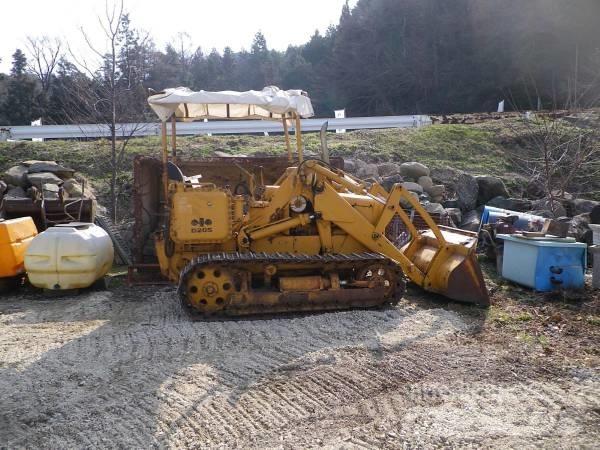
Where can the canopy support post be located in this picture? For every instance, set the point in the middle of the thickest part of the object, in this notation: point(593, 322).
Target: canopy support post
point(165, 162)
point(173, 137)
point(299, 138)
point(286, 132)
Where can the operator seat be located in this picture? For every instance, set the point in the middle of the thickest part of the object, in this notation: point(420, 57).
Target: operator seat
point(174, 172)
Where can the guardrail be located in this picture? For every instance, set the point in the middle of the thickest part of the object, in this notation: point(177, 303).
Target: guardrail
point(217, 127)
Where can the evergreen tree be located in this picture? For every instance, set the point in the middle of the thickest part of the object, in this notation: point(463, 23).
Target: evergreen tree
point(383, 57)
point(262, 65)
point(19, 106)
point(19, 63)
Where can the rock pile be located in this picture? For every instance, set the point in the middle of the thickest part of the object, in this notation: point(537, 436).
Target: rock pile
point(462, 196)
point(39, 179)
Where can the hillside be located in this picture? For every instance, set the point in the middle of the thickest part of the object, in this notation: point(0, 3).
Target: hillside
point(376, 378)
point(481, 148)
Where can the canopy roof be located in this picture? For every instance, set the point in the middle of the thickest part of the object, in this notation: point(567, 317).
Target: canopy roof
point(270, 103)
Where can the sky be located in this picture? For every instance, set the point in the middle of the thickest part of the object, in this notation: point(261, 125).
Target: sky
point(209, 23)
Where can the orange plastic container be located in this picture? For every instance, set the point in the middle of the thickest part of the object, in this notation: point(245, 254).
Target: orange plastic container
point(15, 236)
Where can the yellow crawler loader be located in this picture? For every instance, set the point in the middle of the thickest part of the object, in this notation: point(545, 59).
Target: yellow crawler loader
point(316, 239)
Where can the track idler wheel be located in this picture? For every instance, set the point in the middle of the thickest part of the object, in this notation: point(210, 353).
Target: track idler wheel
point(209, 288)
point(386, 275)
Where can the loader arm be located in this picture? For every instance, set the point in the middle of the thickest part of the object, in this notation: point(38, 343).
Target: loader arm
point(439, 259)
point(333, 208)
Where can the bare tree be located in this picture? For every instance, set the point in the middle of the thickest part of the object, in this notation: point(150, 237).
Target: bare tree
point(45, 54)
point(103, 94)
point(561, 156)
point(183, 41)
point(562, 147)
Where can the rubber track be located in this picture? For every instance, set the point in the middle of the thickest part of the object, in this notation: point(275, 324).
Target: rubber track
point(238, 258)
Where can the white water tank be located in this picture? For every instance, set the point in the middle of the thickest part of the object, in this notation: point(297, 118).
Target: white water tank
point(69, 256)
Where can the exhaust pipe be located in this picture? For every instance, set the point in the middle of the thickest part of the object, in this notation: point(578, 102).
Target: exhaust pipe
point(324, 149)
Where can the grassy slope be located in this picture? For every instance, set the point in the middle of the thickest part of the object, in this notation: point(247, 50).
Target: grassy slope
point(470, 147)
point(478, 149)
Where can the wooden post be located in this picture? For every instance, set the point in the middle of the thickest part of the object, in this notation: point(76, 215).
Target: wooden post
point(286, 132)
point(299, 138)
point(165, 162)
point(173, 137)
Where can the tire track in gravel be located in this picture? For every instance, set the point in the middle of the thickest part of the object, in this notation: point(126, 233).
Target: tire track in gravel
point(410, 421)
point(150, 377)
point(119, 348)
point(294, 401)
point(278, 399)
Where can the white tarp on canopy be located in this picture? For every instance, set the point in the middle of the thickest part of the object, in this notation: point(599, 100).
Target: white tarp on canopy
point(270, 103)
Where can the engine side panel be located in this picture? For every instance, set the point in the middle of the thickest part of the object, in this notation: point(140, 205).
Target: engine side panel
point(201, 216)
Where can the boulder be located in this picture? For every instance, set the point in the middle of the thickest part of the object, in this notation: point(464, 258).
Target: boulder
point(413, 187)
point(51, 167)
point(564, 195)
point(595, 214)
point(512, 204)
point(425, 181)
point(3, 187)
point(489, 187)
point(451, 203)
point(559, 227)
point(434, 208)
point(50, 191)
point(467, 190)
point(545, 213)
point(38, 179)
point(16, 175)
point(368, 171)
point(462, 184)
point(350, 165)
point(413, 170)
point(359, 163)
point(28, 163)
point(554, 206)
point(16, 192)
point(579, 227)
point(455, 214)
point(424, 197)
point(471, 221)
point(581, 206)
point(445, 175)
point(73, 188)
point(388, 168)
point(535, 189)
point(222, 154)
point(436, 190)
point(437, 199)
point(407, 205)
point(389, 181)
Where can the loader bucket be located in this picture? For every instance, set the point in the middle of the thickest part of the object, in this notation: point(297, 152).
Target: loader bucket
point(451, 270)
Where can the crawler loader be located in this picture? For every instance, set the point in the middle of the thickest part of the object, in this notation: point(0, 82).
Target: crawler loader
point(316, 239)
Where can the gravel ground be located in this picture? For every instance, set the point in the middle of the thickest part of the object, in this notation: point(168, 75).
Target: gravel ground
point(126, 368)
